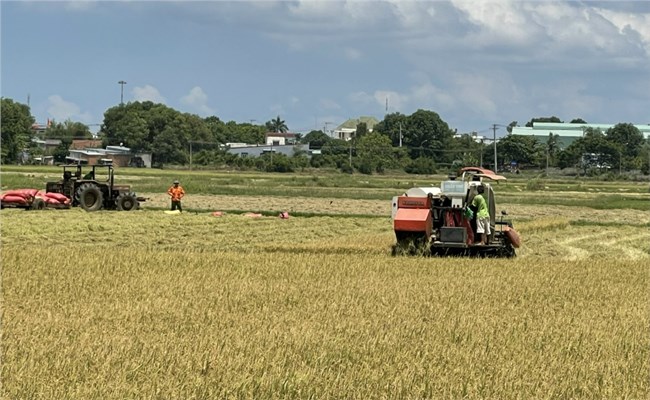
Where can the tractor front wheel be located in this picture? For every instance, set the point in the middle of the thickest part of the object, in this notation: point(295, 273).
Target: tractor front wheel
point(38, 204)
point(91, 198)
point(127, 202)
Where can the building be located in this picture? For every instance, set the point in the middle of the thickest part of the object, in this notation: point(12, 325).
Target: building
point(280, 138)
point(78, 144)
point(256, 150)
point(117, 155)
point(567, 133)
point(47, 145)
point(348, 129)
point(475, 136)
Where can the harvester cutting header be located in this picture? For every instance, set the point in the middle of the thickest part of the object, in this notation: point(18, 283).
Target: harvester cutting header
point(443, 220)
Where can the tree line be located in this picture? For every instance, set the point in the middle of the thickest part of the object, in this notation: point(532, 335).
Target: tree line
point(420, 143)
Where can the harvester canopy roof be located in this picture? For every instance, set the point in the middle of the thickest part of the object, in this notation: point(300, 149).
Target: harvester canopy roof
point(483, 173)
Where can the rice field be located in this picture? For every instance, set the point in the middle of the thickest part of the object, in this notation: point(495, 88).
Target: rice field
point(146, 305)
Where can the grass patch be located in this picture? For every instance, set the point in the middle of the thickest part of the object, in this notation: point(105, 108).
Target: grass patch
point(600, 202)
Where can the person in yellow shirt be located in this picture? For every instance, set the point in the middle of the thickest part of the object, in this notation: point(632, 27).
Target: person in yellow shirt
point(176, 192)
point(482, 215)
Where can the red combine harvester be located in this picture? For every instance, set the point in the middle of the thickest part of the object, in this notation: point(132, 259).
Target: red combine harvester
point(437, 220)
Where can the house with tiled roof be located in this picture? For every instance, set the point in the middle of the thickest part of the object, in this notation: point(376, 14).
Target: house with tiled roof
point(346, 130)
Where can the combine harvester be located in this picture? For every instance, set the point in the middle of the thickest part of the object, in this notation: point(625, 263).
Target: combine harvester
point(436, 220)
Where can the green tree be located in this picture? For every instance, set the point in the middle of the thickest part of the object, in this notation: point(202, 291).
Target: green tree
point(316, 139)
point(543, 119)
point(645, 158)
point(578, 121)
point(16, 130)
point(133, 132)
point(521, 149)
point(374, 152)
point(362, 130)
point(392, 126)
point(217, 128)
point(511, 125)
point(136, 125)
point(277, 125)
point(592, 150)
point(467, 150)
point(68, 130)
point(170, 147)
point(629, 140)
point(552, 148)
point(427, 134)
point(61, 151)
point(336, 153)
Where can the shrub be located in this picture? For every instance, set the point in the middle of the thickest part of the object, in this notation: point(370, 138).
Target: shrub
point(365, 168)
point(534, 184)
point(346, 168)
point(421, 166)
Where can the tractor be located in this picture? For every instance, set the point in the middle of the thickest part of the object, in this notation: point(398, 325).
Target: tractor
point(442, 221)
point(94, 190)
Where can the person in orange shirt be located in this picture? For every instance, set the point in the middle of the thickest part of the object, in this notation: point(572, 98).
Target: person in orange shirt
point(176, 192)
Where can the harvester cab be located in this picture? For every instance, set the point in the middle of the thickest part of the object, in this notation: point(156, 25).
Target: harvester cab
point(441, 220)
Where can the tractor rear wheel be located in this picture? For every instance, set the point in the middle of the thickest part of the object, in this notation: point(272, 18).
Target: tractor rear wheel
point(127, 202)
point(90, 197)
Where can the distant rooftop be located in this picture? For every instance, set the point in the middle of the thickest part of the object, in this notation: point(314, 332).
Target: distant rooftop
point(569, 130)
point(353, 122)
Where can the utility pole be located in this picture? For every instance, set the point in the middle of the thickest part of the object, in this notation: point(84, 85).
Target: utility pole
point(326, 130)
point(122, 83)
point(190, 155)
point(494, 130)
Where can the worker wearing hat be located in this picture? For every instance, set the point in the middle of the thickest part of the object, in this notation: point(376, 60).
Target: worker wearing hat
point(176, 192)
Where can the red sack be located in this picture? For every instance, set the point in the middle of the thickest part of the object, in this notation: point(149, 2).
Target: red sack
point(7, 198)
point(58, 196)
point(50, 200)
point(24, 193)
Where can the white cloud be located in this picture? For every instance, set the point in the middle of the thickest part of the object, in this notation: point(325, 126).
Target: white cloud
point(329, 104)
point(147, 93)
point(352, 54)
point(628, 24)
point(197, 100)
point(62, 110)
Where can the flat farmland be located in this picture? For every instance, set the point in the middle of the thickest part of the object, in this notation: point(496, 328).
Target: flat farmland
point(147, 305)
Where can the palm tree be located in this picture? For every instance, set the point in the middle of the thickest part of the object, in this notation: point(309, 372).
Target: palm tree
point(277, 125)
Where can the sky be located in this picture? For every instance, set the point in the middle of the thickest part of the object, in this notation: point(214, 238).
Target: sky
point(316, 64)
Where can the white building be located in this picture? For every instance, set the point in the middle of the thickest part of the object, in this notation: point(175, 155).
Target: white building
point(567, 132)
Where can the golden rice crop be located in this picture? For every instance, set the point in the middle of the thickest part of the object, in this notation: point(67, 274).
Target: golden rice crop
point(153, 306)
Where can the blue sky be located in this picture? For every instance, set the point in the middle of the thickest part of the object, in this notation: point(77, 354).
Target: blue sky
point(318, 63)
